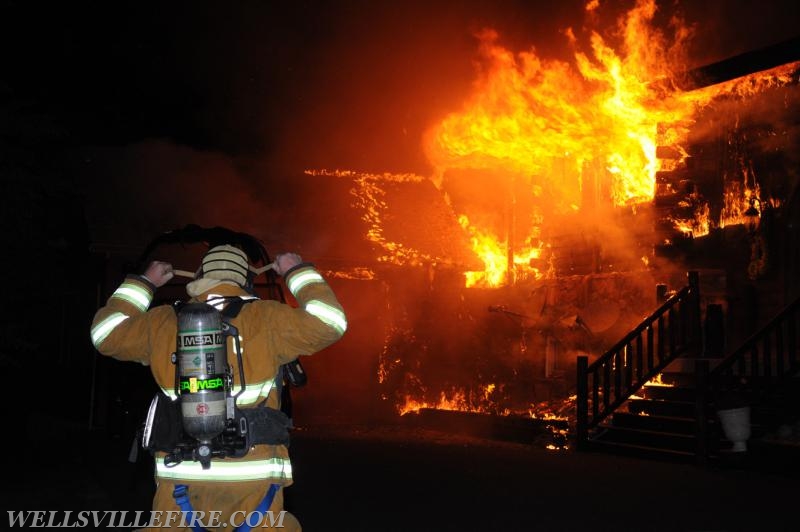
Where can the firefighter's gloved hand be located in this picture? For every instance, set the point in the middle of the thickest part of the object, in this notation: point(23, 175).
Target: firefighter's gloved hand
point(159, 273)
point(286, 261)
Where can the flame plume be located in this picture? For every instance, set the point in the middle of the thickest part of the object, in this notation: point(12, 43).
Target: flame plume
point(572, 130)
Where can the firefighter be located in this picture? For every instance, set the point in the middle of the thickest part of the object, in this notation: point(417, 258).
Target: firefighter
point(271, 333)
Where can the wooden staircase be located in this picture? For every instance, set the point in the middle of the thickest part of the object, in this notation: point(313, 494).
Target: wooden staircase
point(670, 413)
point(661, 421)
point(605, 387)
point(656, 422)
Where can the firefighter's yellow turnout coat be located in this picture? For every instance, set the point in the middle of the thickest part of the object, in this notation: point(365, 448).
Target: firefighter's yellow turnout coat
point(271, 334)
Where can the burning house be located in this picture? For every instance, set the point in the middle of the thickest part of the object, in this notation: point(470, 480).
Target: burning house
point(515, 232)
point(563, 195)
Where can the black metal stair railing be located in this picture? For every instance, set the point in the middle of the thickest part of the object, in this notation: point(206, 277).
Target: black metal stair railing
point(672, 330)
point(753, 375)
point(767, 356)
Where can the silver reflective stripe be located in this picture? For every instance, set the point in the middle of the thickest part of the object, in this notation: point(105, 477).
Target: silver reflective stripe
point(297, 282)
point(133, 294)
point(232, 344)
point(330, 315)
point(170, 393)
point(267, 388)
point(218, 301)
point(148, 424)
point(222, 471)
point(101, 331)
point(253, 392)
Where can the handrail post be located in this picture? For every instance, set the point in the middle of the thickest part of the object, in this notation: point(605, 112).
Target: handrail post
point(701, 414)
point(714, 332)
point(582, 404)
point(661, 293)
point(695, 314)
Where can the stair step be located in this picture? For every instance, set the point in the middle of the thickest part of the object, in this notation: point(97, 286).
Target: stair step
point(688, 393)
point(680, 425)
point(648, 438)
point(641, 451)
point(688, 379)
point(681, 370)
point(655, 407)
point(678, 378)
point(669, 393)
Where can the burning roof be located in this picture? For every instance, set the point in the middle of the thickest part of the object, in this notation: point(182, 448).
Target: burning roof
point(403, 220)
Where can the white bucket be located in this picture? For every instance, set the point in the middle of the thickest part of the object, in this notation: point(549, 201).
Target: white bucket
point(736, 426)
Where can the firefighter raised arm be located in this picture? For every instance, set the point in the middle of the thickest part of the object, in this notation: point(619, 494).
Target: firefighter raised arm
point(269, 333)
point(285, 262)
point(159, 273)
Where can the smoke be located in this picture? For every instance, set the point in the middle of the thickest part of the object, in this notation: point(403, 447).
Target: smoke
point(726, 29)
point(136, 192)
point(386, 71)
point(308, 85)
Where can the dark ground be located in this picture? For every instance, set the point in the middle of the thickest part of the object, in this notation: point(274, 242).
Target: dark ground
point(352, 478)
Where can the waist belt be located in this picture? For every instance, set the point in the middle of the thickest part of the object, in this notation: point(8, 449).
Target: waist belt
point(266, 425)
point(163, 428)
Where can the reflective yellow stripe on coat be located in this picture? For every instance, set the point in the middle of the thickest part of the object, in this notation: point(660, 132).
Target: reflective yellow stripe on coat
point(227, 471)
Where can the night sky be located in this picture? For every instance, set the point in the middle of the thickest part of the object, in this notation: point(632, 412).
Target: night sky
point(152, 107)
point(343, 81)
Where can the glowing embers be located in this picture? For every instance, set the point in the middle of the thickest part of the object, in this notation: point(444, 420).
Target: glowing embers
point(456, 400)
point(405, 221)
point(355, 274)
point(658, 380)
point(549, 434)
point(485, 401)
point(655, 382)
point(369, 193)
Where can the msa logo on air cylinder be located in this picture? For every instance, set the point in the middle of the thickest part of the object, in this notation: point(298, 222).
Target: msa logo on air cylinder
point(193, 340)
point(201, 370)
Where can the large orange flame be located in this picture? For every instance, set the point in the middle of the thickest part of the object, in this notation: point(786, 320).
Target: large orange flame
point(527, 112)
point(610, 120)
point(601, 123)
point(611, 108)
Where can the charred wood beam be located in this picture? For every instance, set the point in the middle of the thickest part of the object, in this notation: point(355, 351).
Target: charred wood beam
point(741, 65)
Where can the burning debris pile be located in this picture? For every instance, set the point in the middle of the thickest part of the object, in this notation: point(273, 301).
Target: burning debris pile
point(506, 352)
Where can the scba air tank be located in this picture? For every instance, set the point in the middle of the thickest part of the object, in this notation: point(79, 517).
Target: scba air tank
point(201, 366)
